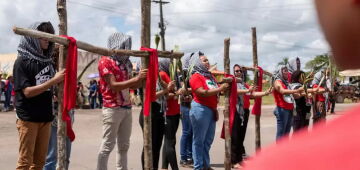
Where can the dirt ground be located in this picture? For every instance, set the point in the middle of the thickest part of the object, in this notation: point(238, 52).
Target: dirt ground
point(88, 131)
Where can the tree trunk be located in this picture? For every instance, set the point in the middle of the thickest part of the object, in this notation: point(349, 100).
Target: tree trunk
point(61, 132)
point(255, 62)
point(227, 160)
point(145, 42)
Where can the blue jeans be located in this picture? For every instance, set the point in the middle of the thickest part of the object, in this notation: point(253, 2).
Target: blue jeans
point(7, 100)
point(187, 133)
point(51, 158)
point(284, 121)
point(203, 124)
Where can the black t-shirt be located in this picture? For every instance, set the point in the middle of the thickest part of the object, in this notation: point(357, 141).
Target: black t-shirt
point(31, 73)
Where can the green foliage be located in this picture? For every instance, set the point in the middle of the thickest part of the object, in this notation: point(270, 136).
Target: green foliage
point(157, 40)
point(284, 61)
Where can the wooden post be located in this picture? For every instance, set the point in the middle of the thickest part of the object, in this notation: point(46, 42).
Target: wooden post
point(145, 42)
point(61, 131)
point(227, 161)
point(255, 62)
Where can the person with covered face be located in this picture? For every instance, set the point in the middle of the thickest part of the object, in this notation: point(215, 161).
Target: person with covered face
point(203, 113)
point(319, 82)
point(293, 65)
point(186, 159)
point(115, 81)
point(34, 78)
point(172, 118)
point(241, 118)
point(335, 145)
point(159, 119)
point(284, 99)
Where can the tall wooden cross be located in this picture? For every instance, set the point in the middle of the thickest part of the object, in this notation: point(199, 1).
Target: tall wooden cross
point(145, 42)
point(227, 160)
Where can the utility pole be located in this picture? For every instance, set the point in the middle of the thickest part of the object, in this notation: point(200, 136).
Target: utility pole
point(161, 23)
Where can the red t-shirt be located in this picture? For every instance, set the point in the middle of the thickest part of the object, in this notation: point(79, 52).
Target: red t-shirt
point(319, 97)
point(111, 98)
point(279, 99)
point(330, 146)
point(246, 98)
point(196, 81)
point(173, 107)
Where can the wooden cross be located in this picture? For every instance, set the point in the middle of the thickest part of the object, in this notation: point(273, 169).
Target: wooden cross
point(145, 42)
point(255, 62)
point(227, 161)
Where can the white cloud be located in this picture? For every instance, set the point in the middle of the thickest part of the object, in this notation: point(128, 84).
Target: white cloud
point(285, 28)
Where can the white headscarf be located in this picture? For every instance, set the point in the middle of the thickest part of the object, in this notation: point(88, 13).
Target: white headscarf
point(292, 65)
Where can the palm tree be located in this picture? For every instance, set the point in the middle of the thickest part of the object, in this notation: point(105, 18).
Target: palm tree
point(319, 62)
point(284, 61)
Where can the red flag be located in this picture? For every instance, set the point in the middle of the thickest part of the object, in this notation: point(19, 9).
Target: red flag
point(232, 105)
point(151, 79)
point(257, 105)
point(70, 80)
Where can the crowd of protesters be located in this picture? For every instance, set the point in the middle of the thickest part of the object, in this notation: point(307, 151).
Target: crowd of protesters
point(193, 97)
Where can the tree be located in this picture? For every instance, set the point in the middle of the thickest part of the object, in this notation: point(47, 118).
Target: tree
point(284, 61)
point(319, 62)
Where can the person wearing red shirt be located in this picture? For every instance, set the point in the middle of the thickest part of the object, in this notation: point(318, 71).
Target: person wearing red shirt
point(284, 100)
point(319, 103)
point(172, 118)
point(115, 82)
point(203, 113)
point(245, 92)
point(336, 145)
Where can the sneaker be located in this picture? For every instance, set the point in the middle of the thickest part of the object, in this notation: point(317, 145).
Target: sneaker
point(184, 163)
point(190, 162)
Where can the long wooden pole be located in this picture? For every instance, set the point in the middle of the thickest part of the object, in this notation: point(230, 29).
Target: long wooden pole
point(227, 160)
point(145, 42)
point(91, 48)
point(61, 131)
point(255, 62)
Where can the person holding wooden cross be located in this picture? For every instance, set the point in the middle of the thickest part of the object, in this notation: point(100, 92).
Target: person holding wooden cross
point(34, 77)
point(159, 110)
point(284, 99)
point(186, 159)
point(203, 113)
point(336, 145)
point(115, 82)
point(239, 125)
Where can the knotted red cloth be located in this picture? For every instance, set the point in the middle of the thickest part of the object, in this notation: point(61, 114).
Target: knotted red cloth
point(151, 79)
point(232, 105)
point(69, 98)
point(256, 110)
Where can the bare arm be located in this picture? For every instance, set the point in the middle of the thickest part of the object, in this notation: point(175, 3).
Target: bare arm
point(118, 86)
point(278, 87)
point(38, 89)
point(212, 92)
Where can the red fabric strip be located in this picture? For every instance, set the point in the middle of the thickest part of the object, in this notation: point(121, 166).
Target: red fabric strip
point(232, 105)
point(70, 80)
point(257, 105)
point(151, 79)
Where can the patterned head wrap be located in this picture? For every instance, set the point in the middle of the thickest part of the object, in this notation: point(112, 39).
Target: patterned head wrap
point(317, 78)
point(292, 65)
point(199, 67)
point(278, 75)
point(164, 65)
point(30, 47)
point(121, 41)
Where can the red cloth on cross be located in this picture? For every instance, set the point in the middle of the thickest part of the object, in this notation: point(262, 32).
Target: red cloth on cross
point(151, 79)
point(69, 98)
point(232, 105)
point(257, 105)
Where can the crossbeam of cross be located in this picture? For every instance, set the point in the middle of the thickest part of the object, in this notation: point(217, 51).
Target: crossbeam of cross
point(91, 48)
